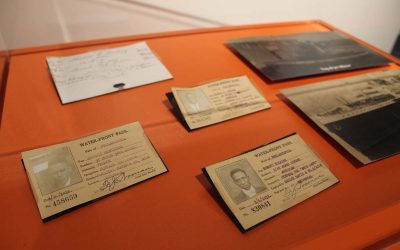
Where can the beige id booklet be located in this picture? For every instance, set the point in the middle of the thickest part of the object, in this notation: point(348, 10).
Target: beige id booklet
point(216, 101)
point(268, 180)
point(66, 175)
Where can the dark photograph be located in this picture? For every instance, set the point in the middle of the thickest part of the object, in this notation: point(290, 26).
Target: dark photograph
point(363, 111)
point(306, 54)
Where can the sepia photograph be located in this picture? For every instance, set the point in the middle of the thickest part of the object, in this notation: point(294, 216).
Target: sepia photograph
point(194, 100)
point(305, 54)
point(240, 181)
point(362, 111)
point(55, 170)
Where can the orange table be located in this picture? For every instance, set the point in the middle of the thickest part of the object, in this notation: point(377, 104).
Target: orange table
point(179, 210)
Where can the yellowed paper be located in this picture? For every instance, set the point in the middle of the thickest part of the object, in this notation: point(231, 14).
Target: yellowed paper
point(264, 182)
point(65, 175)
point(219, 101)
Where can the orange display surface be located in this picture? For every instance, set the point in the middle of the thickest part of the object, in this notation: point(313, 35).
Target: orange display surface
point(179, 210)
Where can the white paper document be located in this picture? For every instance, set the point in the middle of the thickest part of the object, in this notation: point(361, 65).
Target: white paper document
point(104, 71)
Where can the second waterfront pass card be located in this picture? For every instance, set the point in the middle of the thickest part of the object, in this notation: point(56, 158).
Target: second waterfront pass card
point(268, 180)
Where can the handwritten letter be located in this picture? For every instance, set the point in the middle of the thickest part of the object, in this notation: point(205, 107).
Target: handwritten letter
point(104, 71)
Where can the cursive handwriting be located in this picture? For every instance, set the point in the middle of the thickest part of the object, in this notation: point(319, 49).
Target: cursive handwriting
point(110, 182)
point(292, 191)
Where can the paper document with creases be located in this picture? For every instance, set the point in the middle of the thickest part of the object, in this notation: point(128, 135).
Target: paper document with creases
point(104, 71)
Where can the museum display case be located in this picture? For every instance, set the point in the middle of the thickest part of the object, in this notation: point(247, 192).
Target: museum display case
point(180, 209)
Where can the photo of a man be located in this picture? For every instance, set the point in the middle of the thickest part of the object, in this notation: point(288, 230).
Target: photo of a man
point(61, 173)
point(194, 100)
point(240, 181)
point(55, 170)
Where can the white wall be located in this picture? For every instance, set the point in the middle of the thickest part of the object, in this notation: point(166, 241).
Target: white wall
point(375, 21)
point(27, 23)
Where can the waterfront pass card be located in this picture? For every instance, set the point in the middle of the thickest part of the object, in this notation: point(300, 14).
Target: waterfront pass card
point(217, 101)
point(66, 175)
point(268, 180)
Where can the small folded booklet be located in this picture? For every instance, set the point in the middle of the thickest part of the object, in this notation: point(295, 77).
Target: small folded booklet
point(66, 175)
point(265, 181)
point(216, 101)
point(104, 71)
